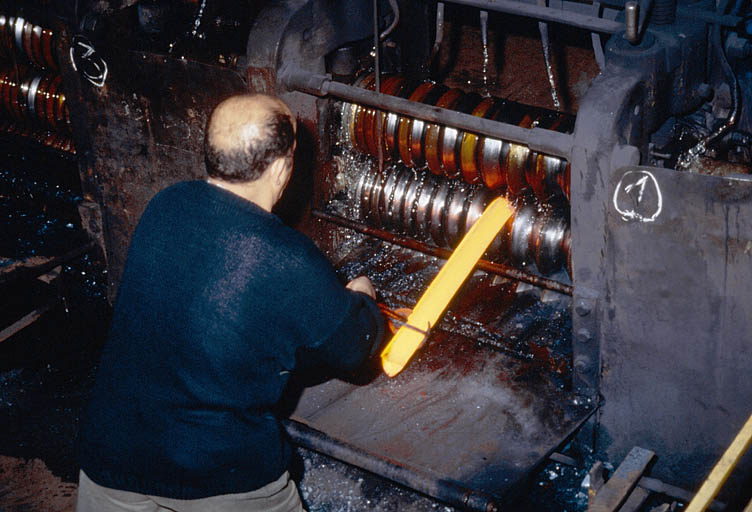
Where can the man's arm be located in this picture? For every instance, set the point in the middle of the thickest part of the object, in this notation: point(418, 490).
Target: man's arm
point(358, 336)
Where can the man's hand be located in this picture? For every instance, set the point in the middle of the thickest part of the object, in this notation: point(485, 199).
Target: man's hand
point(362, 284)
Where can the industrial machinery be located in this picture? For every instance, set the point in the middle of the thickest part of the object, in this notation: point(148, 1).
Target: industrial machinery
point(614, 305)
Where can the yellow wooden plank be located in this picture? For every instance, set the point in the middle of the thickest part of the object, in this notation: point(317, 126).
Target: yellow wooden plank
point(444, 286)
point(722, 469)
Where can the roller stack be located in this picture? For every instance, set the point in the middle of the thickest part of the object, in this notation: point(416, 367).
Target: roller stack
point(32, 103)
point(439, 211)
point(455, 154)
point(439, 179)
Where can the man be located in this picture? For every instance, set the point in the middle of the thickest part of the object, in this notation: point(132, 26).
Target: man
point(218, 303)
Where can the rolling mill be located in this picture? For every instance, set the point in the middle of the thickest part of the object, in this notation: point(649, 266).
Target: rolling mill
point(610, 307)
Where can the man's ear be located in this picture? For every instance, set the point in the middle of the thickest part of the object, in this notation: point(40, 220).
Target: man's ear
point(280, 171)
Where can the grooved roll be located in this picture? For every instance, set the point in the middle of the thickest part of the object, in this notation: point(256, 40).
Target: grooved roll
point(34, 97)
point(33, 41)
point(453, 153)
point(435, 209)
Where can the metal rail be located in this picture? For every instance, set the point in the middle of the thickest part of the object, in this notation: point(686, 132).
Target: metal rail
point(36, 265)
point(537, 139)
point(443, 489)
point(485, 265)
point(542, 13)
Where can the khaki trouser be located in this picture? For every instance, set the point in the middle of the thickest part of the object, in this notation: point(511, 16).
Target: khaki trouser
point(278, 496)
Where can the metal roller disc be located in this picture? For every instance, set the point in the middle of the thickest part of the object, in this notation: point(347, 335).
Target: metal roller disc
point(566, 250)
point(409, 205)
point(348, 121)
point(36, 46)
point(373, 116)
point(396, 205)
point(4, 47)
point(548, 255)
point(419, 127)
point(522, 228)
point(392, 122)
point(544, 179)
point(404, 130)
point(393, 85)
point(23, 95)
point(363, 194)
point(469, 145)
point(385, 198)
point(456, 213)
point(434, 132)
point(489, 156)
point(451, 138)
point(438, 212)
point(423, 203)
point(5, 93)
point(32, 95)
point(48, 49)
point(535, 175)
point(515, 166)
point(563, 177)
point(369, 131)
point(479, 199)
point(58, 102)
point(28, 31)
point(18, 26)
point(359, 140)
point(360, 192)
point(374, 197)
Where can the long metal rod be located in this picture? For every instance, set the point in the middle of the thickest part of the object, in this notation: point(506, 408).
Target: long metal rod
point(485, 265)
point(36, 265)
point(538, 139)
point(377, 76)
point(443, 489)
point(571, 18)
point(24, 322)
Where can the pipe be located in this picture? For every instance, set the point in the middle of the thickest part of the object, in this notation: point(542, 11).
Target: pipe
point(631, 19)
point(571, 18)
point(443, 489)
point(537, 139)
point(396, 11)
point(438, 252)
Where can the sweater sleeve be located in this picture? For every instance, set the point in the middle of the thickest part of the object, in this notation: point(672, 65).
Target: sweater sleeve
point(342, 328)
point(358, 336)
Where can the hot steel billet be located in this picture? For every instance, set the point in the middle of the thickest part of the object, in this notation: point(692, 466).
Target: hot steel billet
point(545, 141)
point(438, 252)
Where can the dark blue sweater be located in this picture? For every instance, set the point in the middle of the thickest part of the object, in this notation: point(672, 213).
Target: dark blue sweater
point(217, 303)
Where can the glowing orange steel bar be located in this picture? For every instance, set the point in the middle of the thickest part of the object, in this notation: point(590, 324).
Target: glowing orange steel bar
point(444, 286)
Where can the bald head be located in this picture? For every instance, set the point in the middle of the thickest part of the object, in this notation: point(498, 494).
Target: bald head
point(245, 134)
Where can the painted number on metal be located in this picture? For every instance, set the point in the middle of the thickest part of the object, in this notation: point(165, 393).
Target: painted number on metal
point(638, 197)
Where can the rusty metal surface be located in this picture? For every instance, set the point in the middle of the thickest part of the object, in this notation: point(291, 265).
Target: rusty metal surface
point(482, 404)
point(140, 132)
point(678, 319)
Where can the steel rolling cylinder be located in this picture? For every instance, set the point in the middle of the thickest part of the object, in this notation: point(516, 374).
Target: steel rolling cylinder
point(452, 153)
point(33, 41)
point(440, 211)
point(31, 96)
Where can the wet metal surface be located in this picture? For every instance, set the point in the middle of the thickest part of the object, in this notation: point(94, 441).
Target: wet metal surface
point(678, 325)
point(483, 402)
